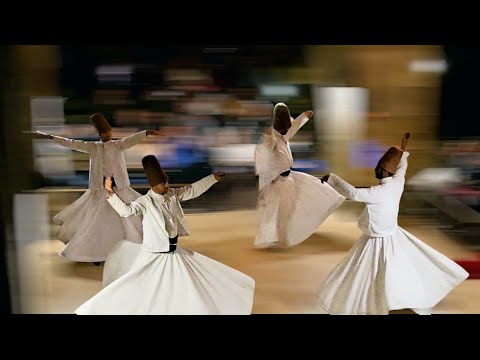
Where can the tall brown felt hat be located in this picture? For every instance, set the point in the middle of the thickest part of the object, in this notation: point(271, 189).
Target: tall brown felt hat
point(154, 171)
point(390, 160)
point(100, 123)
point(281, 116)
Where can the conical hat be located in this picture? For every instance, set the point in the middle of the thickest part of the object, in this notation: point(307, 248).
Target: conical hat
point(100, 123)
point(154, 171)
point(390, 160)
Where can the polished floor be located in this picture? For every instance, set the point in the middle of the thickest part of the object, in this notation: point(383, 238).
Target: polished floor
point(286, 279)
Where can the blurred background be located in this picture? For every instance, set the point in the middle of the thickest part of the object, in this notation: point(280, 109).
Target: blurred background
point(212, 103)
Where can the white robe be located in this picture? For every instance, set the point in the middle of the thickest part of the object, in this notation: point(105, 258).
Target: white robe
point(290, 208)
point(140, 280)
point(388, 268)
point(152, 207)
point(90, 228)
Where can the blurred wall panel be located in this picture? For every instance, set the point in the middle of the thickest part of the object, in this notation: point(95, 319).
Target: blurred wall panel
point(29, 70)
point(403, 84)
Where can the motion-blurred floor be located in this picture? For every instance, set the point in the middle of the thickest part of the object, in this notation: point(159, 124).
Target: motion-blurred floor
point(286, 279)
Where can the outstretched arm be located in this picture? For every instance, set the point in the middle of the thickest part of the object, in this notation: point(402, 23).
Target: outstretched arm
point(134, 139)
point(371, 195)
point(298, 123)
point(199, 187)
point(403, 164)
point(79, 145)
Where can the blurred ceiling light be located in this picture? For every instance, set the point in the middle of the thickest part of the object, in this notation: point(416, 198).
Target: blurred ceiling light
point(279, 90)
point(433, 65)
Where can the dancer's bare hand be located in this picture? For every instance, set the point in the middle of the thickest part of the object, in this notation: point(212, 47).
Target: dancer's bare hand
point(154, 132)
point(219, 175)
point(108, 184)
point(405, 138)
point(308, 113)
point(44, 134)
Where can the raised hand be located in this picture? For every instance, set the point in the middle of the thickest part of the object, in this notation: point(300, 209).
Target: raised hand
point(219, 175)
point(405, 138)
point(44, 134)
point(154, 132)
point(108, 184)
point(309, 113)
